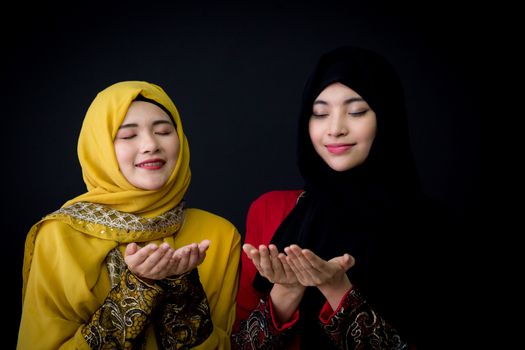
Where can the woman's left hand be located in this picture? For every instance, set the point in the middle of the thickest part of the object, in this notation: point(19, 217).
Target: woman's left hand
point(188, 257)
point(329, 276)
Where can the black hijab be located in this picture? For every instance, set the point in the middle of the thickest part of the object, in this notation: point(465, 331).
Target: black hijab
point(357, 211)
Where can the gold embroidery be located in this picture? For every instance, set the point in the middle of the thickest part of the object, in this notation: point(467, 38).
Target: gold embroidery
point(106, 216)
point(107, 223)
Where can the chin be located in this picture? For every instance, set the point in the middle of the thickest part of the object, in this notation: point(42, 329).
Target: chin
point(341, 167)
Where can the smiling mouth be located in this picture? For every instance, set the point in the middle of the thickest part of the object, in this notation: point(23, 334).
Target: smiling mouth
point(151, 164)
point(338, 149)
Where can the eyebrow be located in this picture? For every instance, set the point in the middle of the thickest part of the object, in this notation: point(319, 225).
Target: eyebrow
point(135, 125)
point(345, 102)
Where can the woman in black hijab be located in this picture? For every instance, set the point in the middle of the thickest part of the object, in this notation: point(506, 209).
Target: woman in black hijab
point(329, 267)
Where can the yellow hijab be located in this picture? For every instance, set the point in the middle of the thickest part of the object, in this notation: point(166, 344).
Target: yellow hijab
point(105, 183)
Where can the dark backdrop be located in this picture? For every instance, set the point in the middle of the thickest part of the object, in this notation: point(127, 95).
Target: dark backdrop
point(235, 71)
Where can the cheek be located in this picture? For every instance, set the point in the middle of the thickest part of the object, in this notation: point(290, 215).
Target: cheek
point(372, 128)
point(313, 132)
point(372, 135)
point(368, 136)
point(173, 146)
point(123, 155)
point(367, 132)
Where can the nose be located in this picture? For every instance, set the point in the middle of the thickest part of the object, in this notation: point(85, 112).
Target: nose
point(338, 125)
point(149, 143)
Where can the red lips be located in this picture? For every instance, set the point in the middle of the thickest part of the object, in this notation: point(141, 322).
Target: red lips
point(151, 164)
point(338, 148)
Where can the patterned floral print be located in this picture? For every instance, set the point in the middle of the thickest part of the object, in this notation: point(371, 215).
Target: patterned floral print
point(119, 323)
point(185, 320)
point(259, 332)
point(178, 308)
point(357, 326)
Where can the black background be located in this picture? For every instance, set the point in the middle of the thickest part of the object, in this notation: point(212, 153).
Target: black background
point(235, 70)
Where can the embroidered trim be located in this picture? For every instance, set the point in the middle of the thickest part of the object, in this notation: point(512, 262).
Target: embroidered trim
point(106, 216)
point(116, 266)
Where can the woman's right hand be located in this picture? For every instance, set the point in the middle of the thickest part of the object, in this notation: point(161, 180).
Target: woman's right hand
point(271, 264)
point(329, 276)
point(287, 292)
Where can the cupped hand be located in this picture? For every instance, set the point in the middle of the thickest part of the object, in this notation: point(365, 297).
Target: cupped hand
point(311, 270)
point(155, 262)
point(271, 264)
point(188, 257)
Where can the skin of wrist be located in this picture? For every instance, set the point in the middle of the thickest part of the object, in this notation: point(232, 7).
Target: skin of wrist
point(335, 289)
point(285, 300)
point(288, 289)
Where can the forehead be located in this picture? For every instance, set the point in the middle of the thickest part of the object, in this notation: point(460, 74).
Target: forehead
point(145, 111)
point(337, 94)
point(336, 90)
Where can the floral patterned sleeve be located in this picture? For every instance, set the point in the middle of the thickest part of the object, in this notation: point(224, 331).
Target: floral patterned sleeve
point(120, 322)
point(178, 307)
point(355, 325)
point(260, 330)
point(185, 320)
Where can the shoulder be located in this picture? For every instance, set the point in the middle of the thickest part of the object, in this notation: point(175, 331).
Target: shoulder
point(276, 199)
point(268, 210)
point(55, 230)
point(63, 234)
point(200, 224)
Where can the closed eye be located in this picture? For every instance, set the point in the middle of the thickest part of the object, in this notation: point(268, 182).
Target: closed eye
point(358, 114)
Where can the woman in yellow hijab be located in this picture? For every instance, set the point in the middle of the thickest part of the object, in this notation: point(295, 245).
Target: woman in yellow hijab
point(125, 265)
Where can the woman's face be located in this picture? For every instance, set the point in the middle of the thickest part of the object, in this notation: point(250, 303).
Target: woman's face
point(147, 146)
point(342, 127)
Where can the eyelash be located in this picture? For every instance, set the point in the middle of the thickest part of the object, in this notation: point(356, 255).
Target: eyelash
point(158, 133)
point(354, 114)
